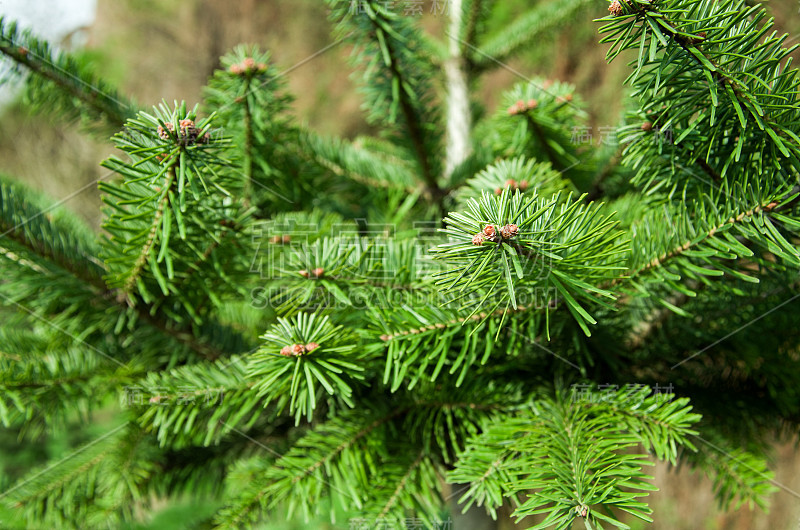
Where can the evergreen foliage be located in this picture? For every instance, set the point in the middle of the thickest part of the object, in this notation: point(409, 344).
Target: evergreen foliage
point(295, 324)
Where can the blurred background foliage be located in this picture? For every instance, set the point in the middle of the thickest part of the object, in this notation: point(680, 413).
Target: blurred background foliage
point(167, 49)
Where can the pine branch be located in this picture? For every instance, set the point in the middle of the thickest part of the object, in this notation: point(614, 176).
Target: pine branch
point(524, 30)
point(301, 357)
point(155, 226)
point(360, 164)
point(56, 248)
point(739, 476)
point(397, 82)
point(471, 28)
point(401, 486)
point(318, 464)
point(65, 83)
point(705, 58)
point(48, 494)
point(714, 230)
point(248, 141)
point(543, 141)
point(565, 246)
point(572, 456)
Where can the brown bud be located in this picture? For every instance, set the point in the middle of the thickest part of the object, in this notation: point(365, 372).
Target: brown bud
point(498, 191)
point(647, 126)
point(319, 271)
point(155, 399)
point(385, 338)
point(478, 239)
point(286, 351)
point(509, 231)
point(235, 69)
point(23, 51)
point(489, 232)
point(275, 240)
point(511, 183)
point(532, 104)
point(304, 273)
point(311, 346)
point(262, 67)
point(249, 63)
point(162, 132)
point(298, 349)
point(512, 110)
point(286, 239)
point(523, 185)
point(615, 8)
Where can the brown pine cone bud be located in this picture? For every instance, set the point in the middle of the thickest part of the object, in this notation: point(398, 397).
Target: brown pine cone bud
point(319, 271)
point(235, 69)
point(490, 233)
point(509, 231)
point(532, 104)
point(512, 110)
point(162, 133)
point(249, 63)
point(498, 191)
point(478, 239)
point(615, 8)
point(304, 273)
point(311, 346)
point(298, 349)
point(523, 185)
point(647, 126)
point(286, 351)
point(511, 183)
point(275, 240)
point(286, 239)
